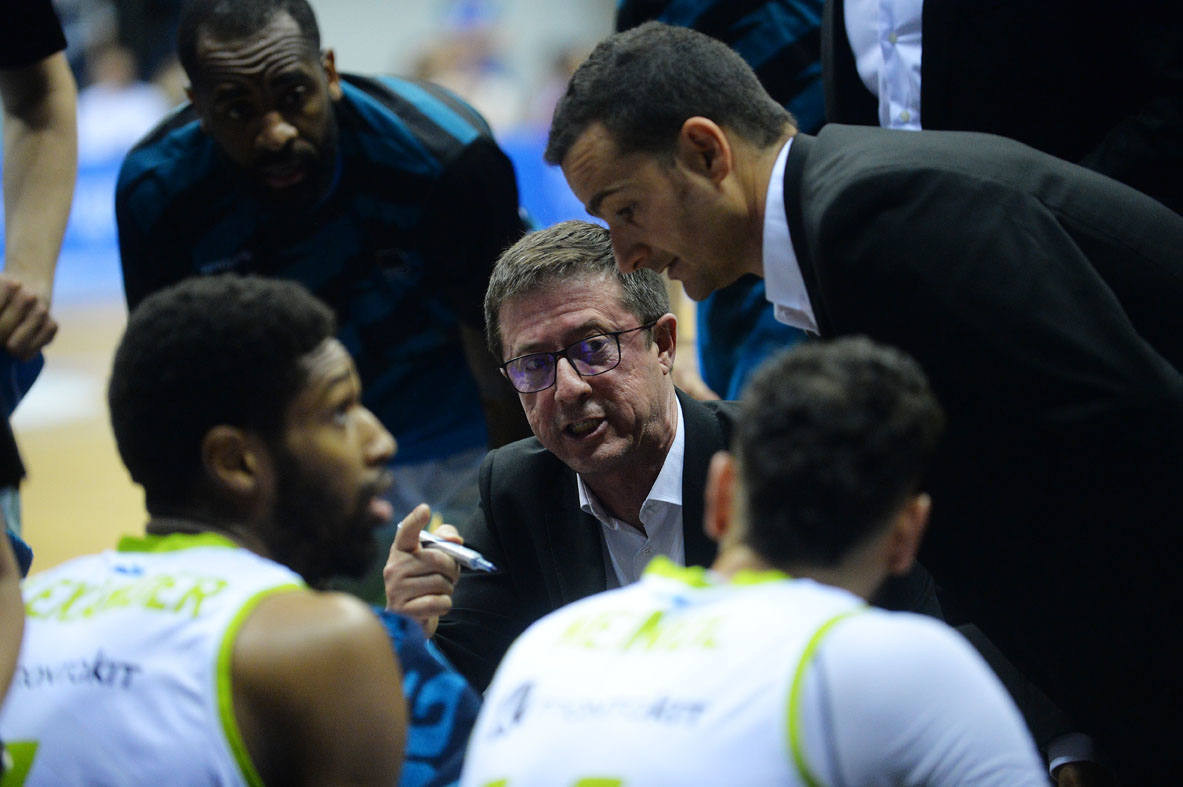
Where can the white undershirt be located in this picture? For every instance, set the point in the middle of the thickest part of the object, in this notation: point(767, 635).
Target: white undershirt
point(784, 285)
point(628, 550)
point(885, 39)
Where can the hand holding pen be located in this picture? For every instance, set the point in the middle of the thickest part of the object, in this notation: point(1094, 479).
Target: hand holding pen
point(419, 576)
point(468, 558)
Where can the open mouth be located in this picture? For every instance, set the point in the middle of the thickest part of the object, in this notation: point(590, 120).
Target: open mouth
point(378, 507)
point(380, 510)
point(284, 175)
point(583, 428)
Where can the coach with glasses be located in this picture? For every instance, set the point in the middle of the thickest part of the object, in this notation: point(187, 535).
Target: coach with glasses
point(614, 474)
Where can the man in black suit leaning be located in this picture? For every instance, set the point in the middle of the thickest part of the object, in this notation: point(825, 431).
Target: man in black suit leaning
point(616, 471)
point(1090, 81)
point(1044, 301)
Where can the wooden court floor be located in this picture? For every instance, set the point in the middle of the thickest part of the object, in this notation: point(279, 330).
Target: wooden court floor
point(77, 497)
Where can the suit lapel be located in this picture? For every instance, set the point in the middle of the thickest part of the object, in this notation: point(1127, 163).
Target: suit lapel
point(574, 547)
point(703, 438)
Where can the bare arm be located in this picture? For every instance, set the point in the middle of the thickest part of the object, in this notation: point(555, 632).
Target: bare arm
point(40, 165)
point(318, 692)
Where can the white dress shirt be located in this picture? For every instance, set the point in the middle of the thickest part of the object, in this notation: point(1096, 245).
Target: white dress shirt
point(784, 285)
point(628, 550)
point(885, 39)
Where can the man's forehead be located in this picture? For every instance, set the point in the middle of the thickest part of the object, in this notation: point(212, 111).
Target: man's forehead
point(595, 167)
point(325, 367)
point(555, 311)
point(278, 47)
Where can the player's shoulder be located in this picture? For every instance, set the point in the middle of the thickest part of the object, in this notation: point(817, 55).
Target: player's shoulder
point(305, 635)
point(326, 615)
point(903, 631)
point(405, 97)
point(171, 159)
point(409, 117)
point(912, 653)
point(177, 141)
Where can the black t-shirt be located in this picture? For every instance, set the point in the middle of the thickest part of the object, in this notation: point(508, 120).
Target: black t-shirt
point(29, 31)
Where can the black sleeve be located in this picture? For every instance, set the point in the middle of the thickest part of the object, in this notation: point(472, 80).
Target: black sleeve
point(488, 611)
point(471, 216)
point(1145, 147)
point(30, 32)
point(1035, 330)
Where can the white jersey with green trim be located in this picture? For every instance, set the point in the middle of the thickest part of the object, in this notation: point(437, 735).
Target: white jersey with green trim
point(123, 676)
point(681, 679)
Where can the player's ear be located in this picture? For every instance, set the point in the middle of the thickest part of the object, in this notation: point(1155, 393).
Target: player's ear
point(719, 502)
point(907, 531)
point(329, 61)
point(232, 459)
point(665, 337)
point(703, 148)
point(191, 94)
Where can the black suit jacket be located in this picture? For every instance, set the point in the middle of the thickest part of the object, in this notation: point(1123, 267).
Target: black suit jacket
point(1097, 83)
point(1045, 302)
point(549, 551)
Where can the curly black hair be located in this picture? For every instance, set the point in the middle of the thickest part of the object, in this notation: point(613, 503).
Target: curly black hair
point(213, 350)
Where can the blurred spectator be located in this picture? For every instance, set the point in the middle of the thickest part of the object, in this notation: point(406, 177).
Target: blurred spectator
point(544, 191)
point(171, 80)
point(561, 65)
point(149, 29)
point(86, 24)
point(467, 59)
point(116, 108)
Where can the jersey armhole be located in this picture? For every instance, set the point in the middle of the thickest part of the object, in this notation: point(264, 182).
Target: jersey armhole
point(225, 690)
point(796, 745)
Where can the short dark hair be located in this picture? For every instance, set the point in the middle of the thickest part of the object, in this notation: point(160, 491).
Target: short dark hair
point(644, 83)
point(231, 20)
point(213, 350)
point(833, 438)
point(562, 252)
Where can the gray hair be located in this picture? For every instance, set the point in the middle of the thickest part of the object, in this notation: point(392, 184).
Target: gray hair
point(564, 252)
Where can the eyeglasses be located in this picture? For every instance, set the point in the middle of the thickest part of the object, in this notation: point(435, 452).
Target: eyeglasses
point(589, 357)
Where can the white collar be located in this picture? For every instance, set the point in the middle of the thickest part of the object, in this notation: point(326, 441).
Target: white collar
point(667, 488)
point(783, 283)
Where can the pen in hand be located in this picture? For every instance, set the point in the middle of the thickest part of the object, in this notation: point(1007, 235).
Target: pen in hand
point(468, 558)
